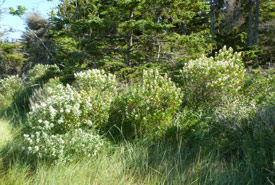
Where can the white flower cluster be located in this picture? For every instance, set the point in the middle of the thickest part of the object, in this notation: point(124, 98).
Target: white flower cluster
point(234, 110)
point(62, 147)
point(62, 124)
point(12, 80)
point(8, 88)
point(95, 79)
point(208, 77)
point(149, 105)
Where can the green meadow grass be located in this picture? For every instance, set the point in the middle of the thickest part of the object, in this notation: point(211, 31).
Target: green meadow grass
point(5, 132)
point(126, 163)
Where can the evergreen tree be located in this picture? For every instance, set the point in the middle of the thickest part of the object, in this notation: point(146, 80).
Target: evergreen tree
point(266, 34)
point(133, 31)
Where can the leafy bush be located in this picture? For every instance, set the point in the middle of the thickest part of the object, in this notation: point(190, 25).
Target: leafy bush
point(41, 94)
point(189, 127)
point(260, 86)
point(206, 80)
point(41, 73)
point(9, 87)
point(11, 59)
point(146, 107)
point(233, 110)
point(36, 77)
point(98, 90)
point(243, 129)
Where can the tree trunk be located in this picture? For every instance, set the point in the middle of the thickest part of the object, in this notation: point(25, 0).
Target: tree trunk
point(130, 42)
point(256, 29)
point(184, 29)
point(250, 19)
point(212, 13)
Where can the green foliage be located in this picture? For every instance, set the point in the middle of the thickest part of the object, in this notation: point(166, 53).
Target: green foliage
point(98, 90)
point(237, 39)
point(40, 73)
point(147, 107)
point(142, 163)
point(132, 32)
point(9, 88)
point(206, 80)
point(260, 86)
point(19, 11)
point(11, 59)
point(235, 136)
point(190, 127)
point(67, 52)
point(5, 133)
point(34, 79)
point(95, 79)
point(266, 32)
point(223, 133)
point(246, 130)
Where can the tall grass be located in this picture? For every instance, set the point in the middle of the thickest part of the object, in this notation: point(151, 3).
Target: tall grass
point(5, 132)
point(134, 163)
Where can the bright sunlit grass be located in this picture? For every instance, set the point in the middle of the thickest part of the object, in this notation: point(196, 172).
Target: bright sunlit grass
point(5, 132)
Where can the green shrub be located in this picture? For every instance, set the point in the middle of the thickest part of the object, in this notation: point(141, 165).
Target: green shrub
point(246, 130)
point(145, 108)
point(9, 87)
point(41, 94)
point(260, 86)
point(233, 110)
point(11, 59)
point(35, 78)
point(206, 80)
point(189, 127)
point(98, 90)
point(41, 73)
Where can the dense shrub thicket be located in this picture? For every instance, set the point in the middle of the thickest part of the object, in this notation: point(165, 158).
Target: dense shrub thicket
point(216, 105)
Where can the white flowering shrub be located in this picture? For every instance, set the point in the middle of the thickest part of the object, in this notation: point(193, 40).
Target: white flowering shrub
point(61, 148)
point(62, 123)
point(9, 87)
point(99, 89)
point(208, 79)
point(146, 107)
point(96, 79)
